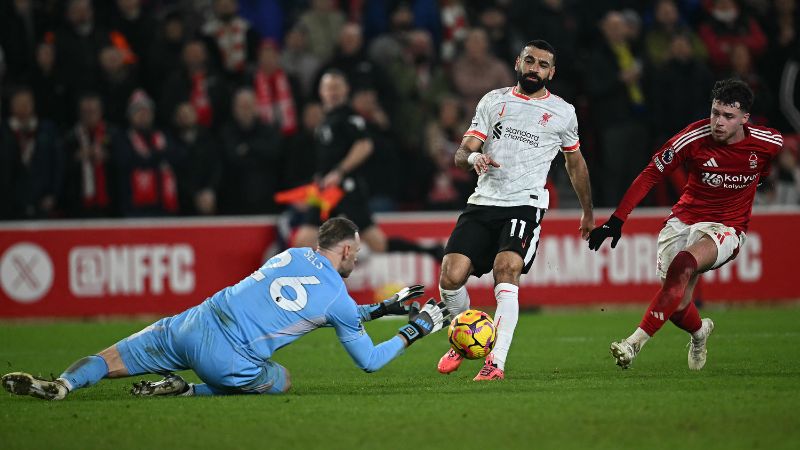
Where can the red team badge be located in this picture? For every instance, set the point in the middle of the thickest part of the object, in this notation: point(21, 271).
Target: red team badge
point(545, 118)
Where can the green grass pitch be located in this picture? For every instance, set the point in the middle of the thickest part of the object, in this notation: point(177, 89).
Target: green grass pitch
point(563, 391)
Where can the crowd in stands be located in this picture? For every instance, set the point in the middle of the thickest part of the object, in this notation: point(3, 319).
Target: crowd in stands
point(143, 108)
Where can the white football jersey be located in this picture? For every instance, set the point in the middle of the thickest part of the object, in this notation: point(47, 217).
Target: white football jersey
point(523, 135)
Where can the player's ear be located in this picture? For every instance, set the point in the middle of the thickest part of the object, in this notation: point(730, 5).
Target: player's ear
point(516, 64)
point(745, 118)
point(552, 72)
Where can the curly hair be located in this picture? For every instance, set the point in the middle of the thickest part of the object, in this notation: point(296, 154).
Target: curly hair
point(732, 91)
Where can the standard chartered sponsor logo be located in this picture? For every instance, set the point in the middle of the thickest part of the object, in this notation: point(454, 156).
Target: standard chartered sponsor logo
point(522, 136)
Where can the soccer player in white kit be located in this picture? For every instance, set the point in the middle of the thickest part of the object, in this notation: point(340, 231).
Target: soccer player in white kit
point(516, 133)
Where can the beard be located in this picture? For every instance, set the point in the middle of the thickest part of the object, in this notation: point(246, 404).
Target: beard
point(529, 86)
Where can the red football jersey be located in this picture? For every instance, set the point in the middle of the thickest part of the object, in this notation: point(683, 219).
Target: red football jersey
point(722, 178)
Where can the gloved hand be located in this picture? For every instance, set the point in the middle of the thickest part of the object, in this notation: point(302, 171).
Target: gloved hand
point(612, 228)
point(422, 322)
point(394, 305)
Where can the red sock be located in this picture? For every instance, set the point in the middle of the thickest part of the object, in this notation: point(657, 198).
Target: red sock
point(688, 319)
point(669, 296)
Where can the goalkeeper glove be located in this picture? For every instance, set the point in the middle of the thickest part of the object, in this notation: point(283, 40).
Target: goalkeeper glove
point(394, 305)
point(422, 322)
point(612, 228)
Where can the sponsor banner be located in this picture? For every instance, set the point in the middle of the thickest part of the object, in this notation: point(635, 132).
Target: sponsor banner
point(89, 268)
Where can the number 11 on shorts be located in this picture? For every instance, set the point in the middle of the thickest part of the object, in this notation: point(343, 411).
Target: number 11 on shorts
point(514, 226)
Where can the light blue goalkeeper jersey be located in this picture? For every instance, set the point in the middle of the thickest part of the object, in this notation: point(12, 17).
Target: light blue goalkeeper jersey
point(292, 294)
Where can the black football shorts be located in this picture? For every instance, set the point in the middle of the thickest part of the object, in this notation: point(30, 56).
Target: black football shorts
point(484, 231)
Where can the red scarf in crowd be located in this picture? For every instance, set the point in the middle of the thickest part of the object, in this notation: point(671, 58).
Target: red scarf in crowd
point(93, 170)
point(153, 186)
point(231, 37)
point(200, 100)
point(274, 93)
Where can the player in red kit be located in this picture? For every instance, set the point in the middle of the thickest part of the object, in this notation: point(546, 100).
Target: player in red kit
point(726, 157)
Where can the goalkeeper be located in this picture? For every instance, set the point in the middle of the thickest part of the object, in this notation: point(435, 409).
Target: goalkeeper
point(229, 339)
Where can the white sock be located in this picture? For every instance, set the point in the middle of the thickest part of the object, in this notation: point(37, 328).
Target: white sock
point(457, 300)
point(505, 319)
point(66, 383)
point(638, 337)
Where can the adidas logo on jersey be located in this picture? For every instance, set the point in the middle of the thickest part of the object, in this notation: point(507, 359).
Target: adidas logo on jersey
point(710, 163)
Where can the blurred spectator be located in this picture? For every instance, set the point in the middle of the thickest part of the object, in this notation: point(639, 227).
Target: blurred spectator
point(30, 161)
point(233, 41)
point(22, 25)
point(477, 71)
point(78, 43)
point(786, 175)
point(300, 162)
point(145, 159)
point(266, 17)
point(420, 83)
point(198, 85)
point(137, 25)
point(727, 26)
point(379, 170)
point(782, 187)
point(299, 62)
point(782, 34)
point(48, 88)
point(682, 75)
point(764, 103)
point(614, 84)
point(89, 177)
point(658, 40)
point(117, 83)
point(451, 185)
point(556, 24)
point(322, 23)
point(351, 59)
point(789, 93)
point(164, 57)
point(388, 47)
point(252, 159)
point(274, 90)
point(493, 19)
point(454, 27)
point(200, 172)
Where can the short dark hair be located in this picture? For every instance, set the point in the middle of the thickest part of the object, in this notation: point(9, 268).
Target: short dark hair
point(336, 230)
point(732, 91)
point(336, 73)
point(541, 44)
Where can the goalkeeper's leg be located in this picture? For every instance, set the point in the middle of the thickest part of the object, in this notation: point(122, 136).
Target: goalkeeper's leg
point(243, 378)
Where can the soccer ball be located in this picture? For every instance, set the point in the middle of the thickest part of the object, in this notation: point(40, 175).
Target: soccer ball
point(472, 334)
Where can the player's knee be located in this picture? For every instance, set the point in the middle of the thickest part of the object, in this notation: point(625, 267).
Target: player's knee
point(507, 271)
point(451, 280)
point(453, 274)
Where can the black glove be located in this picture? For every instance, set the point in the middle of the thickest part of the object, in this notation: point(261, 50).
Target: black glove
point(612, 228)
point(394, 305)
point(422, 322)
